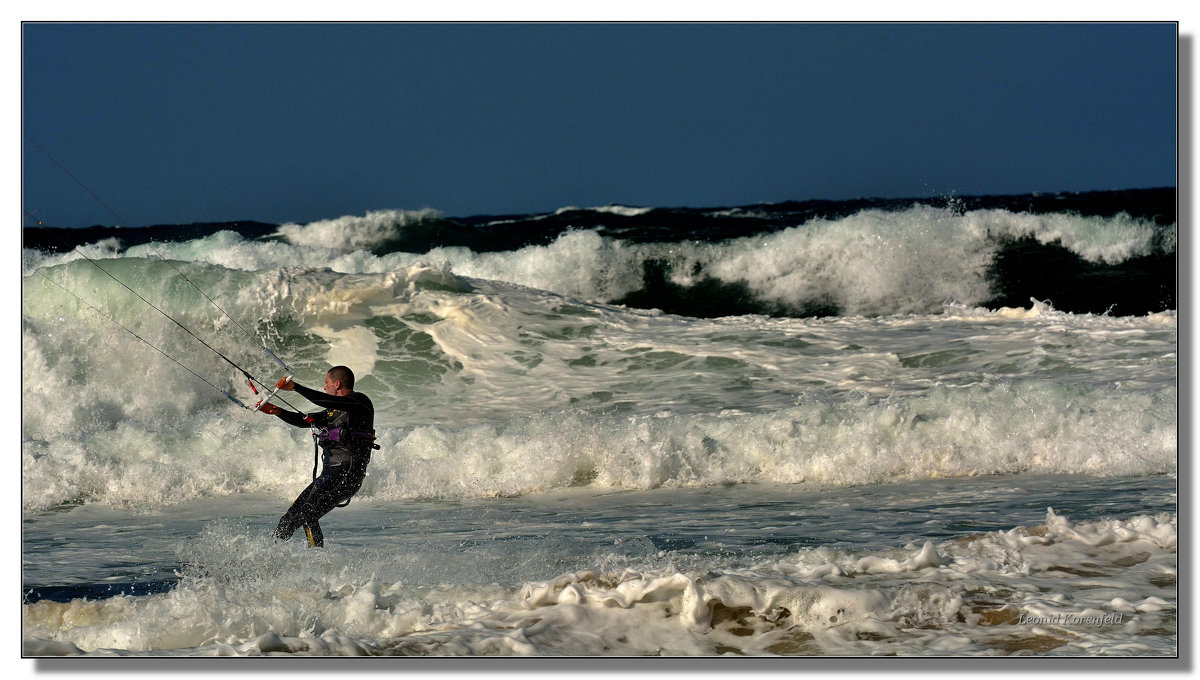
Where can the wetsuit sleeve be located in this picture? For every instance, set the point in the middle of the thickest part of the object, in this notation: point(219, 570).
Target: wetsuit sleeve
point(327, 400)
point(293, 418)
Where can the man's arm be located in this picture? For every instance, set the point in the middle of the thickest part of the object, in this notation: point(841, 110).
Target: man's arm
point(293, 418)
point(326, 400)
point(289, 417)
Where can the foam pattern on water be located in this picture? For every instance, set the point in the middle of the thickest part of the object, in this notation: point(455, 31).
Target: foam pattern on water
point(1028, 590)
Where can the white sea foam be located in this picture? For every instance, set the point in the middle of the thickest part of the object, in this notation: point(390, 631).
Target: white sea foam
point(578, 263)
point(869, 263)
point(352, 232)
point(1027, 429)
point(623, 210)
point(874, 262)
point(1110, 239)
point(488, 383)
point(488, 389)
point(1021, 591)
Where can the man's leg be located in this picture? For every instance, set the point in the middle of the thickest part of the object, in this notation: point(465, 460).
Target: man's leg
point(313, 503)
point(295, 515)
point(312, 529)
point(336, 484)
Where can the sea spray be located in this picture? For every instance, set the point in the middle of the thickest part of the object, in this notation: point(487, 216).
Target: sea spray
point(905, 259)
point(851, 453)
point(977, 596)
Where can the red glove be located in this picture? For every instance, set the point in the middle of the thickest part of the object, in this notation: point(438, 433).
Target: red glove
point(285, 383)
point(270, 409)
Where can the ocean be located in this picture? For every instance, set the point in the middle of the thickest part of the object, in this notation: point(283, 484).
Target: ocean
point(921, 427)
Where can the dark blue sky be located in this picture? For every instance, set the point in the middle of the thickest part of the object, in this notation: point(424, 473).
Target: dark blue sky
point(183, 123)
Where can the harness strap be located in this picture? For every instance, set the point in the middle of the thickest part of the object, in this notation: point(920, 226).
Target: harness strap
point(316, 455)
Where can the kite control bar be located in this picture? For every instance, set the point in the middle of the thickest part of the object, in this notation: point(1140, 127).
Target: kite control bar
point(268, 397)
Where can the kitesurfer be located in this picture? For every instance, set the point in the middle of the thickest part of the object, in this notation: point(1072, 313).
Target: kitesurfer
point(345, 431)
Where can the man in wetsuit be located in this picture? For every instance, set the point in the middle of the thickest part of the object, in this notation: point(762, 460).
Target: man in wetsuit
point(346, 433)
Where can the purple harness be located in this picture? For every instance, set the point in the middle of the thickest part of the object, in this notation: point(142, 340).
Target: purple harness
point(342, 435)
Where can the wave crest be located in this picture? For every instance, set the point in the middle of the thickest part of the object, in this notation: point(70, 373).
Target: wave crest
point(352, 232)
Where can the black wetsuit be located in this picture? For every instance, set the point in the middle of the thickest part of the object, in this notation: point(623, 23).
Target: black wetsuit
point(346, 450)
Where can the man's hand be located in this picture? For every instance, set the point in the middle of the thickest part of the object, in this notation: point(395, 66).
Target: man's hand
point(270, 409)
point(285, 383)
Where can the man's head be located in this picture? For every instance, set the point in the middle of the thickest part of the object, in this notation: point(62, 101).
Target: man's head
point(339, 381)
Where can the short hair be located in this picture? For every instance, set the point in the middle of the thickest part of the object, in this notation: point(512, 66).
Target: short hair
point(342, 374)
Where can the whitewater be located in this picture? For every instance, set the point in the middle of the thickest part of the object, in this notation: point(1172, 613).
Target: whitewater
point(582, 453)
